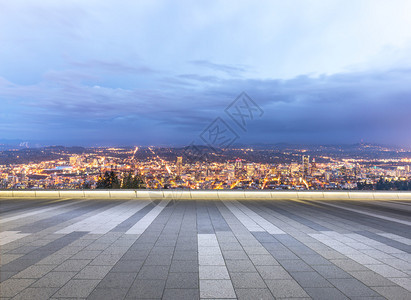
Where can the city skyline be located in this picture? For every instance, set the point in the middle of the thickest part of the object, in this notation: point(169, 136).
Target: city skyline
point(359, 167)
point(156, 73)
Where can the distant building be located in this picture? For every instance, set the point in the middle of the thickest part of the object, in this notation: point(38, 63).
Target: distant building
point(306, 165)
point(73, 160)
point(313, 165)
point(238, 164)
point(294, 168)
point(179, 165)
point(400, 171)
point(250, 170)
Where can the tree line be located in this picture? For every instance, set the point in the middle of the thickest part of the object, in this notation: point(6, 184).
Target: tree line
point(386, 185)
point(110, 180)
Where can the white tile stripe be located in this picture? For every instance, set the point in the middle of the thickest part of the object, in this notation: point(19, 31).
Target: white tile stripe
point(11, 236)
point(268, 226)
point(146, 221)
point(106, 220)
point(367, 252)
point(395, 237)
point(35, 212)
point(250, 219)
point(369, 214)
point(243, 218)
point(214, 280)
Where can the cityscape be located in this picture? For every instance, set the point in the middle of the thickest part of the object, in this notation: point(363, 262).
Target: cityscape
point(204, 150)
point(277, 167)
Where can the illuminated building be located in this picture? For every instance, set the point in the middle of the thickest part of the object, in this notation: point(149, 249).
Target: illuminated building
point(306, 165)
point(179, 165)
point(250, 170)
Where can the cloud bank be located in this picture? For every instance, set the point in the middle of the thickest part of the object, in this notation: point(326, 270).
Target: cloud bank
point(151, 72)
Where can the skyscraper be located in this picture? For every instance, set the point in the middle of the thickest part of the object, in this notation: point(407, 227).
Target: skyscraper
point(306, 165)
point(179, 165)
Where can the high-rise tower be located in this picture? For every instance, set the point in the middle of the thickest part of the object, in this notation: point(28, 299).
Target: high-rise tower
point(306, 165)
point(179, 165)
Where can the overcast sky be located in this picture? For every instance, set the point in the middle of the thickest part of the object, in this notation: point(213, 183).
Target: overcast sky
point(159, 72)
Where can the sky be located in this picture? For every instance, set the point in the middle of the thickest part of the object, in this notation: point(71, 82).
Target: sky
point(96, 73)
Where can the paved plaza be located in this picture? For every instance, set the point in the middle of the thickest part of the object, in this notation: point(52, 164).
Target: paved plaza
point(181, 249)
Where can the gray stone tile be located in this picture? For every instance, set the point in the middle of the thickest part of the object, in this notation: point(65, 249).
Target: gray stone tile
point(240, 266)
point(72, 265)
point(310, 279)
point(234, 254)
point(295, 265)
point(182, 281)
point(263, 260)
point(35, 293)
point(353, 288)
point(127, 266)
point(76, 288)
point(247, 280)
point(189, 266)
point(86, 254)
point(325, 293)
point(158, 260)
point(153, 272)
point(107, 293)
point(273, 272)
point(36, 271)
point(54, 259)
point(348, 265)
point(185, 255)
point(213, 272)
point(54, 279)
point(371, 279)
point(393, 292)
point(12, 287)
point(93, 272)
point(216, 289)
point(331, 271)
point(181, 294)
point(313, 260)
point(253, 294)
point(117, 280)
point(108, 265)
point(285, 288)
point(106, 260)
point(146, 289)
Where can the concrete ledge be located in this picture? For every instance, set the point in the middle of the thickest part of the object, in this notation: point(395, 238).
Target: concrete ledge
point(336, 195)
point(231, 195)
point(127, 194)
point(48, 194)
point(257, 195)
point(147, 194)
point(6, 194)
point(204, 195)
point(284, 195)
point(207, 195)
point(386, 196)
point(311, 195)
point(97, 194)
point(177, 195)
point(71, 194)
point(404, 195)
point(361, 195)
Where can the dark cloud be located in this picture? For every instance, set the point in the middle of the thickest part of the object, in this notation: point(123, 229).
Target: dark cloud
point(233, 70)
point(341, 108)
